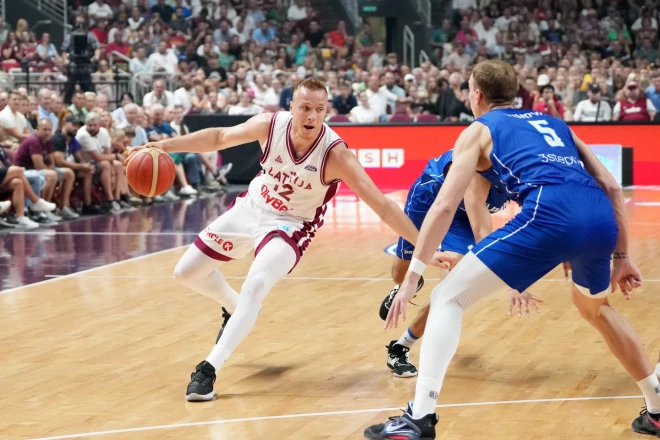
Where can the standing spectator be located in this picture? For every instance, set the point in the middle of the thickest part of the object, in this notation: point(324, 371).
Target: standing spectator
point(159, 95)
point(96, 147)
point(548, 103)
point(163, 10)
point(635, 106)
point(36, 153)
point(44, 99)
point(131, 115)
point(345, 101)
point(98, 11)
point(77, 106)
point(13, 121)
point(593, 109)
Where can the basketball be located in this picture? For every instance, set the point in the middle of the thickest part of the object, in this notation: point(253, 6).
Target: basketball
point(150, 172)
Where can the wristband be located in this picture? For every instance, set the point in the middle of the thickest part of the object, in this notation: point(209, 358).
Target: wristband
point(416, 266)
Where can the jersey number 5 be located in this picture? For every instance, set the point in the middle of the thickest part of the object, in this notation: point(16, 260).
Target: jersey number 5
point(549, 134)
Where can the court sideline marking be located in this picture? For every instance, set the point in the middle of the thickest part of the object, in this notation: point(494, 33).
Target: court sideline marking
point(326, 414)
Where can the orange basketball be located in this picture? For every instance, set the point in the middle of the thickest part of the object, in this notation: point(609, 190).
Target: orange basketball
point(150, 172)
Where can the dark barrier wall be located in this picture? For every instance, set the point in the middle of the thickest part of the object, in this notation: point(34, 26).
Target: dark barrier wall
point(394, 155)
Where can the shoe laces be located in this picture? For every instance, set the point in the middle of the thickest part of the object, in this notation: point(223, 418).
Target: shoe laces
point(201, 375)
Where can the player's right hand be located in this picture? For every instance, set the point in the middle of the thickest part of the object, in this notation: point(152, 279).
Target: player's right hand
point(625, 275)
point(518, 300)
point(134, 150)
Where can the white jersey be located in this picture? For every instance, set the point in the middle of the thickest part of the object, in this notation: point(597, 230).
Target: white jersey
point(292, 186)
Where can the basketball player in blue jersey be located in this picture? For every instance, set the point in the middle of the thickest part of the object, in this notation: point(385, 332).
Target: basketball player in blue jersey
point(456, 243)
point(572, 211)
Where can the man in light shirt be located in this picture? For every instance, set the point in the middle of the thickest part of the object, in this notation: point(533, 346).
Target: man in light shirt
point(131, 115)
point(182, 95)
point(159, 95)
point(380, 98)
point(45, 100)
point(363, 114)
point(13, 121)
point(593, 109)
point(486, 31)
point(99, 10)
point(297, 11)
point(139, 63)
point(162, 59)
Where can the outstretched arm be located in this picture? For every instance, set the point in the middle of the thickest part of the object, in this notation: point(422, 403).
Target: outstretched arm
point(219, 138)
point(344, 165)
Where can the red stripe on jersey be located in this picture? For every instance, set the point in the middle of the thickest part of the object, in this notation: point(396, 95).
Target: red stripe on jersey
point(304, 236)
point(289, 144)
point(325, 159)
point(264, 155)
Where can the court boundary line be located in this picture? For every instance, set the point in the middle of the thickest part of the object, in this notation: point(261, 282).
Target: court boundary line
point(325, 414)
point(105, 266)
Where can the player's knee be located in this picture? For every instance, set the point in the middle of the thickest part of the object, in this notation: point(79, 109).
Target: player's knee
point(186, 273)
point(254, 289)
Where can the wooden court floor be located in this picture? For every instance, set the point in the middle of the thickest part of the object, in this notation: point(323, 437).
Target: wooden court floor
point(108, 353)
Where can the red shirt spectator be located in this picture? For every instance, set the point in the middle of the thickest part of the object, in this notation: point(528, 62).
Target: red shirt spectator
point(635, 107)
point(32, 145)
point(118, 46)
point(101, 32)
point(338, 36)
point(549, 104)
point(523, 100)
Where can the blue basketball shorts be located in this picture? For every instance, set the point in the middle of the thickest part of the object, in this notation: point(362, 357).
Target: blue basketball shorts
point(421, 196)
point(557, 224)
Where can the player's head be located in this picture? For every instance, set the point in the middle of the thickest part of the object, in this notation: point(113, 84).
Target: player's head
point(308, 107)
point(493, 83)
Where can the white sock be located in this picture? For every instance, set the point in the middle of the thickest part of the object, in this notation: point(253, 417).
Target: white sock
point(273, 263)
point(407, 339)
point(651, 389)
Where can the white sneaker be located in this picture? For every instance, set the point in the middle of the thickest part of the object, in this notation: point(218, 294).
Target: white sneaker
point(170, 196)
point(53, 217)
point(4, 206)
point(26, 223)
point(188, 191)
point(43, 206)
point(68, 214)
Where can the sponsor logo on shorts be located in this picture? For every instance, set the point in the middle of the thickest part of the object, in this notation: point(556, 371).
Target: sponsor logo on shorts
point(311, 168)
point(408, 252)
point(226, 245)
point(283, 228)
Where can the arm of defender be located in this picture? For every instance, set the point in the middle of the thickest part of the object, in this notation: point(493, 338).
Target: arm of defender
point(611, 188)
point(475, 206)
point(438, 219)
point(344, 165)
point(214, 139)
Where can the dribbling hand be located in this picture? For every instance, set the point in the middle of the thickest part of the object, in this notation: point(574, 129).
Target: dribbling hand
point(518, 300)
point(625, 275)
point(134, 150)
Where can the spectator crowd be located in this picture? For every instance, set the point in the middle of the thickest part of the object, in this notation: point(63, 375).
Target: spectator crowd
point(585, 61)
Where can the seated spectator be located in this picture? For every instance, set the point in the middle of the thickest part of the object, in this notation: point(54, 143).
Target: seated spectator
point(105, 118)
point(297, 11)
point(458, 59)
point(343, 103)
point(634, 107)
point(271, 98)
point(199, 101)
point(593, 109)
point(245, 106)
point(131, 120)
point(67, 154)
point(161, 130)
point(217, 104)
point(36, 153)
point(119, 45)
point(287, 93)
point(100, 30)
point(549, 104)
point(159, 95)
point(139, 64)
point(77, 106)
point(102, 102)
point(13, 121)
point(46, 50)
point(96, 147)
point(653, 91)
point(99, 10)
point(214, 67)
point(118, 114)
point(362, 113)
point(163, 10)
point(264, 34)
point(162, 59)
point(44, 100)
point(90, 101)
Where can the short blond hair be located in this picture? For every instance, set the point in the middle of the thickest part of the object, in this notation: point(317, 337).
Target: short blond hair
point(311, 84)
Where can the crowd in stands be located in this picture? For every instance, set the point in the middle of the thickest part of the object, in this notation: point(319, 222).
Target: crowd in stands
point(579, 60)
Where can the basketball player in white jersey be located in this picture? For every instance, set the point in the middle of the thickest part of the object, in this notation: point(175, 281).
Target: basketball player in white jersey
point(304, 161)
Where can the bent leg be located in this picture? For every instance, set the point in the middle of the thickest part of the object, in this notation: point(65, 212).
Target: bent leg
point(273, 263)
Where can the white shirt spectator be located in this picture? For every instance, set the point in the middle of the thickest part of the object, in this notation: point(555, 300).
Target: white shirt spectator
point(363, 115)
point(157, 61)
point(295, 13)
point(464, 4)
point(586, 111)
point(252, 109)
point(378, 101)
point(377, 60)
point(9, 119)
point(166, 100)
point(231, 14)
point(139, 67)
point(488, 35)
point(182, 97)
point(177, 128)
point(101, 11)
point(248, 22)
point(113, 32)
point(271, 97)
point(200, 50)
point(502, 23)
point(458, 61)
point(119, 115)
point(243, 37)
point(135, 25)
point(98, 143)
point(637, 25)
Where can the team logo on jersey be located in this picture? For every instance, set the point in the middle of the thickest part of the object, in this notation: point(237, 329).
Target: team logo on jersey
point(227, 246)
point(279, 159)
point(311, 168)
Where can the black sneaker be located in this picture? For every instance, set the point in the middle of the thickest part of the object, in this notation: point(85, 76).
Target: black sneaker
point(201, 383)
point(92, 210)
point(225, 317)
point(404, 428)
point(398, 360)
point(8, 221)
point(647, 423)
point(387, 302)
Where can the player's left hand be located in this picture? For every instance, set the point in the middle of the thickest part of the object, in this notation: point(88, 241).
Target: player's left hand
point(445, 260)
point(625, 275)
point(520, 300)
point(405, 294)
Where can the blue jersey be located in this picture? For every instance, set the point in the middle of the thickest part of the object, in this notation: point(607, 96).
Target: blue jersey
point(437, 169)
point(532, 149)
